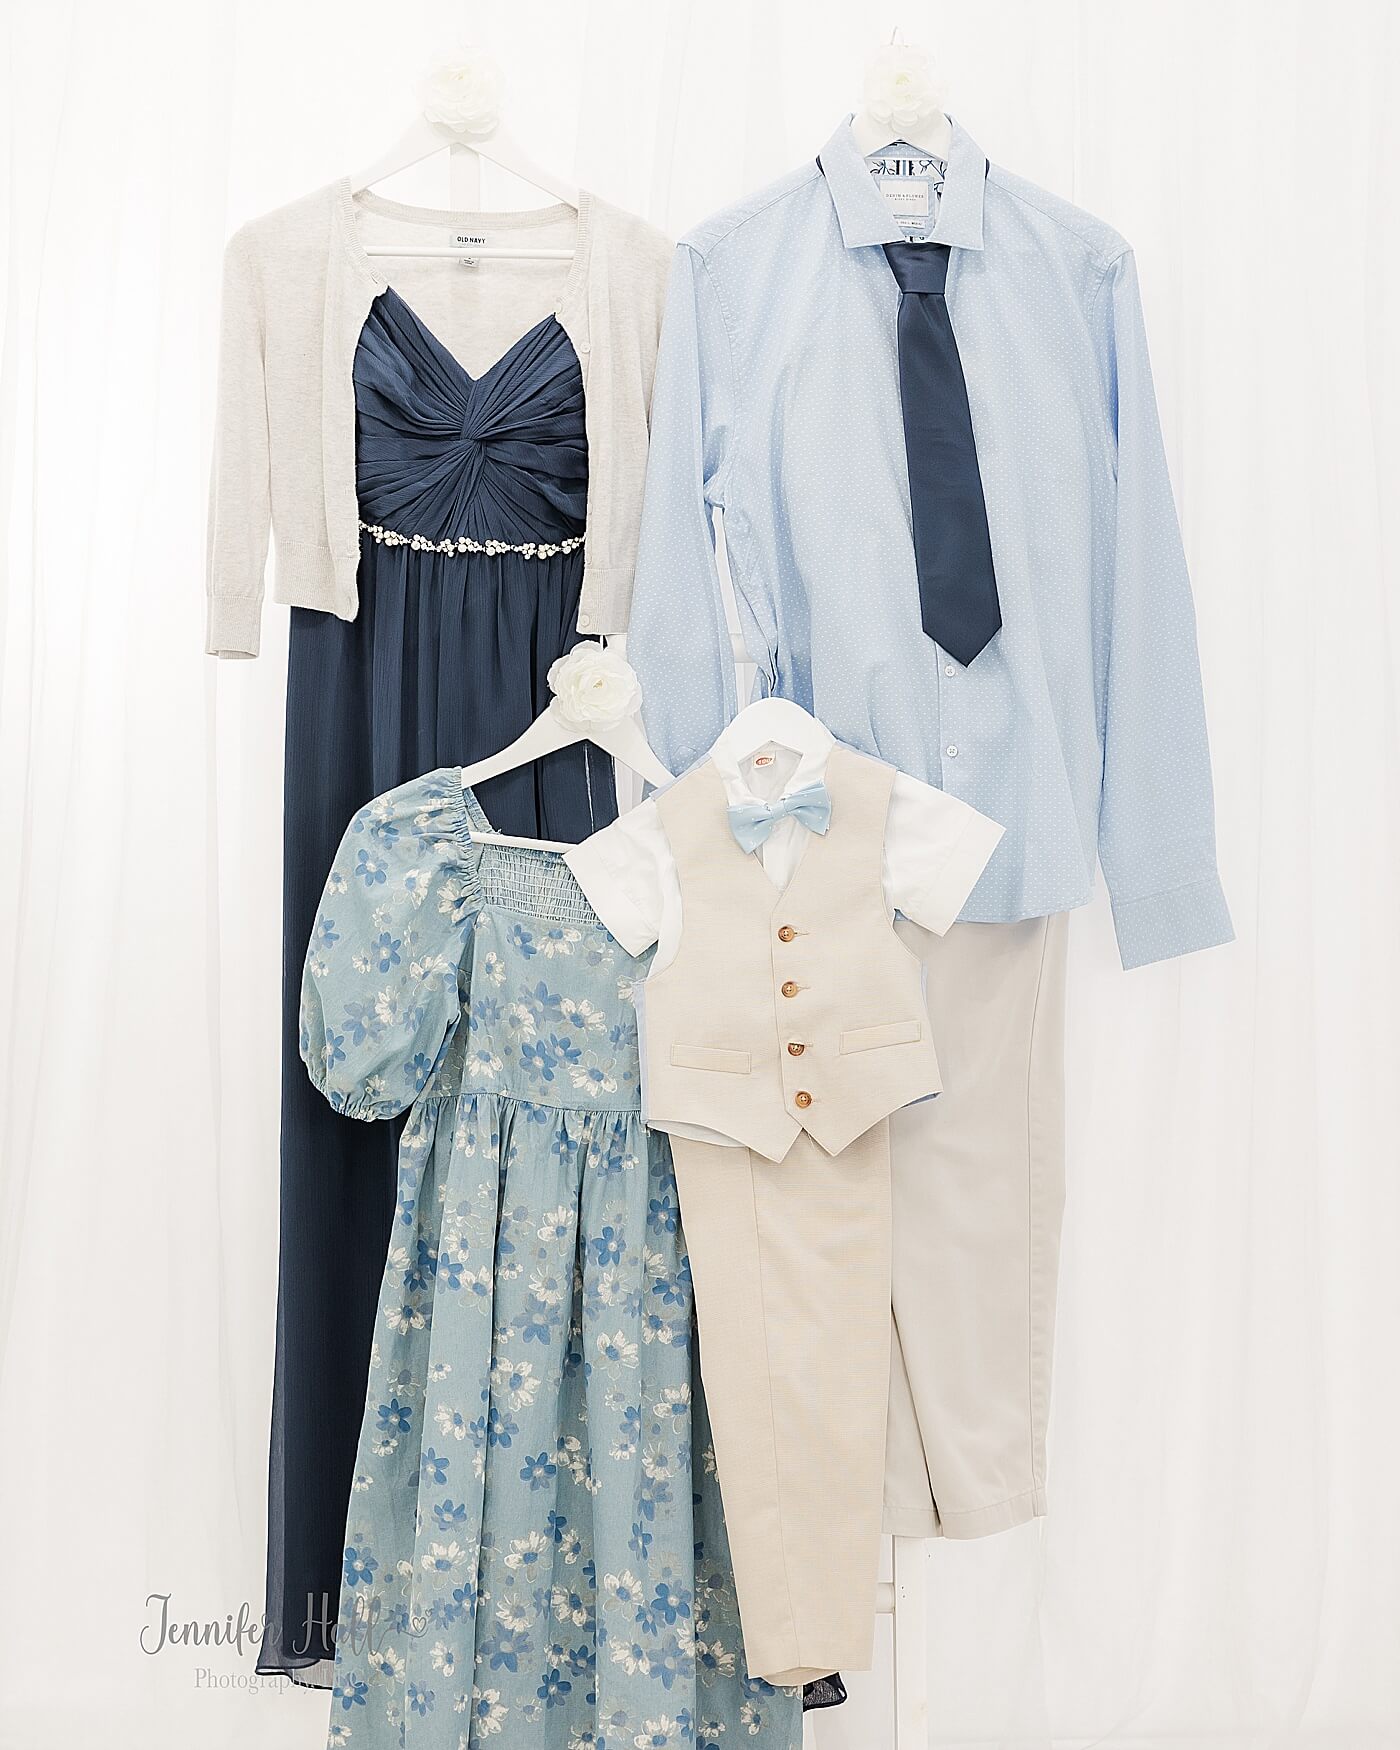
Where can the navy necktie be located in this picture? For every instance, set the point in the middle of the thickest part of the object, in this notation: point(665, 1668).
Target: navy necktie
point(952, 548)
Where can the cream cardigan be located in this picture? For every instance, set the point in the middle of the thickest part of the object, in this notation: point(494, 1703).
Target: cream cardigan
point(298, 285)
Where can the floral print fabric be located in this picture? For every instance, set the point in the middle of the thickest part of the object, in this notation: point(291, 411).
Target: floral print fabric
point(535, 1553)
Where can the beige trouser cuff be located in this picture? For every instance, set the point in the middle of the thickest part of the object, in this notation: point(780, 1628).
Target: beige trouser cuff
point(977, 1522)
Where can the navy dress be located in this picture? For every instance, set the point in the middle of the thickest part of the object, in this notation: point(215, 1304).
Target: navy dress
point(445, 663)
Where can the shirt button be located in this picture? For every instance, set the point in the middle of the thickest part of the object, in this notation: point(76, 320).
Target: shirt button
point(795, 1049)
point(802, 1099)
point(585, 621)
point(952, 753)
point(787, 933)
point(789, 989)
point(949, 670)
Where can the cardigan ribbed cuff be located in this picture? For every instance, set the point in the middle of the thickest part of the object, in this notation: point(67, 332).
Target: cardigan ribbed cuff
point(604, 598)
point(233, 626)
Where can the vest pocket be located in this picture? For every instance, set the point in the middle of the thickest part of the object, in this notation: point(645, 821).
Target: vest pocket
point(891, 1033)
point(735, 1063)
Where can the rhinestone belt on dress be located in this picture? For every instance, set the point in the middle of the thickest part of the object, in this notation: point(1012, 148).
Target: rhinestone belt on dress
point(465, 544)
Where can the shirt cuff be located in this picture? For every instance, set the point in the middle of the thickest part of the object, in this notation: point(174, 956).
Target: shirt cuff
point(607, 893)
point(233, 626)
point(1162, 926)
point(958, 874)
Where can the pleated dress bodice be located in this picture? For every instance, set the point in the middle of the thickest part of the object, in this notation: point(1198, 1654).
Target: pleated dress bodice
point(499, 458)
point(473, 497)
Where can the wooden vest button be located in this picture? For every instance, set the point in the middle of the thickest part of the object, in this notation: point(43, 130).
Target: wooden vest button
point(802, 1099)
point(796, 1049)
point(787, 933)
point(789, 989)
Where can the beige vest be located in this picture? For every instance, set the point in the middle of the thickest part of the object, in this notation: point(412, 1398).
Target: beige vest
point(787, 1010)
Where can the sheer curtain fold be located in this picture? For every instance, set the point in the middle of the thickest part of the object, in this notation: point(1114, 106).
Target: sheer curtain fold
point(1221, 1568)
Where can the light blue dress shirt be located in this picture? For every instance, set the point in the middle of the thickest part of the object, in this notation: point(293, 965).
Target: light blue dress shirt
point(1081, 726)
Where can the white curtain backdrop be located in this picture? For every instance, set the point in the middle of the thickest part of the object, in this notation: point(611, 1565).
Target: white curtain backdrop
point(1221, 1569)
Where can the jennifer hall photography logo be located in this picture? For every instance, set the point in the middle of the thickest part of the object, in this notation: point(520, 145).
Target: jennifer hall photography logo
point(222, 1649)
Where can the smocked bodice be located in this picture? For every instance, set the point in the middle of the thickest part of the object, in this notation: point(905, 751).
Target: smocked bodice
point(548, 1013)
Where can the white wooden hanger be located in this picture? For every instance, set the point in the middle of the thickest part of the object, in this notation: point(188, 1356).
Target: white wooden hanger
point(873, 127)
point(552, 730)
point(783, 722)
point(434, 133)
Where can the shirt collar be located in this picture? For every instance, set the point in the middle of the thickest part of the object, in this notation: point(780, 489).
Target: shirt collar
point(864, 214)
point(783, 723)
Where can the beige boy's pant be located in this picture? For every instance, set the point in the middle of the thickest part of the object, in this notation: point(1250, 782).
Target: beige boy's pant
point(978, 1181)
point(949, 1214)
point(791, 1265)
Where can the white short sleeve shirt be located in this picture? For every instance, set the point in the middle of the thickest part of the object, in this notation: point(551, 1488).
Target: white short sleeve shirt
point(935, 845)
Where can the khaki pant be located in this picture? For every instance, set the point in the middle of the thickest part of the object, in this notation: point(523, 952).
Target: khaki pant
point(948, 1213)
point(791, 1264)
point(978, 1183)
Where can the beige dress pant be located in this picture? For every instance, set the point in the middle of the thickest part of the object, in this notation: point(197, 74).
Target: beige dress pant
point(791, 1266)
point(948, 1214)
point(978, 1183)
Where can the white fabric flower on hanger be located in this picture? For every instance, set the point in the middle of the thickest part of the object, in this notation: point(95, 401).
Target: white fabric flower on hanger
point(463, 92)
point(900, 87)
point(594, 685)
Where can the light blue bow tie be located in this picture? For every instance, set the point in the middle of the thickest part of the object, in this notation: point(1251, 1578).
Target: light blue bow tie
point(751, 822)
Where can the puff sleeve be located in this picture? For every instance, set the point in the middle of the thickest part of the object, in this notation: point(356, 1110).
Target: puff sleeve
point(388, 963)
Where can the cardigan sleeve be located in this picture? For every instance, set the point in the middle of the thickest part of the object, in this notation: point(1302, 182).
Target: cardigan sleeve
point(626, 300)
point(678, 638)
point(240, 506)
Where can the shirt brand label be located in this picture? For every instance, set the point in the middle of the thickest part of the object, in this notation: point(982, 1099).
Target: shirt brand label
point(907, 196)
point(467, 240)
point(912, 184)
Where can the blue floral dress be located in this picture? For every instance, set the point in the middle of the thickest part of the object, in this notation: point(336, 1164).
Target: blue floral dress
point(535, 1554)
